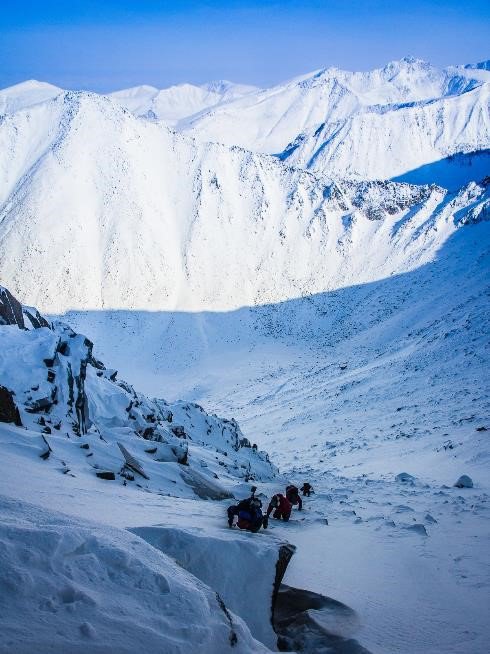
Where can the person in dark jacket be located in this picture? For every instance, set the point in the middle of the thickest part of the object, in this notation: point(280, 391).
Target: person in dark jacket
point(292, 493)
point(306, 489)
point(249, 514)
point(281, 507)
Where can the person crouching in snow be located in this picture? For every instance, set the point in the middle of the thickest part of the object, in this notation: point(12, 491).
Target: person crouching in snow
point(292, 493)
point(249, 512)
point(281, 507)
point(307, 489)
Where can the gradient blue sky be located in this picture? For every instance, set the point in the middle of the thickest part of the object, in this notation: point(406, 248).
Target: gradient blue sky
point(109, 44)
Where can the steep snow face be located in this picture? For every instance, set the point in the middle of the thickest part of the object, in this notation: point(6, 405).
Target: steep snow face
point(268, 121)
point(177, 103)
point(102, 210)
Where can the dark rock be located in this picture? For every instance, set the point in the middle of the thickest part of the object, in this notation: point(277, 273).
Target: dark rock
point(8, 409)
point(148, 433)
point(45, 454)
point(51, 376)
point(46, 430)
point(85, 446)
point(81, 401)
point(49, 363)
point(179, 431)
point(286, 551)
point(96, 363)
point(10, 309)
point(63, 348)
point(126, 474)
point(41, 404)
point(294, 621)
point(110, 476)
point(151, 450)
point(35, 318)
point(131, 462)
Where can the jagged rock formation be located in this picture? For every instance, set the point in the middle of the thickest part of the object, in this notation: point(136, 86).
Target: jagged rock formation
point(60, 387)
point(8, 409)
point(10, 309)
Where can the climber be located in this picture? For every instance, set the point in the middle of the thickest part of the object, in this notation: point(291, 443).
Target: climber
point(292, 493)
point(307, 489)
point(281, 507)
point(249, 512)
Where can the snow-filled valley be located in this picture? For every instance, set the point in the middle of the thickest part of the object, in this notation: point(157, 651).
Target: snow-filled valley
point(302, 273)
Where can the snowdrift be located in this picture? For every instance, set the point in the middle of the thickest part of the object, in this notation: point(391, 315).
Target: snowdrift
point(69, 585)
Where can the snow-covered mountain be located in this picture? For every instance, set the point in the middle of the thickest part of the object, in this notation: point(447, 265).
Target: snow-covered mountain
point(171, 224)
point(373, 125)
point(178, 103)
point(379, 124)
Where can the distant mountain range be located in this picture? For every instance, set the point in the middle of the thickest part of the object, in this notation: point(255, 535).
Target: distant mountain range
point(103, 205)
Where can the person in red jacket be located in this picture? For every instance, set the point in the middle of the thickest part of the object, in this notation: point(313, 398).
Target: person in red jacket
point(281, 507)
point(292, 493)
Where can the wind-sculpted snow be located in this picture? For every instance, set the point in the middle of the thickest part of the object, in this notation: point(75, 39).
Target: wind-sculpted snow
point(101, 210)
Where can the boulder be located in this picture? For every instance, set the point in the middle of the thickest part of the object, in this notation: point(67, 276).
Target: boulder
point(405, 478)
point(110, 476)
point(464, 482)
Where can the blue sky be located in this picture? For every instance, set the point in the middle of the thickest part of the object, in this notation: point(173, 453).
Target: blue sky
point(109, 44)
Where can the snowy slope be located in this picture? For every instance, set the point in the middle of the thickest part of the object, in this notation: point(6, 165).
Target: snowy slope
point(85, 456)
point(348, 389)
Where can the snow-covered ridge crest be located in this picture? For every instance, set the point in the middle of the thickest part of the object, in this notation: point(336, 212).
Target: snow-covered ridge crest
point(272, 118)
